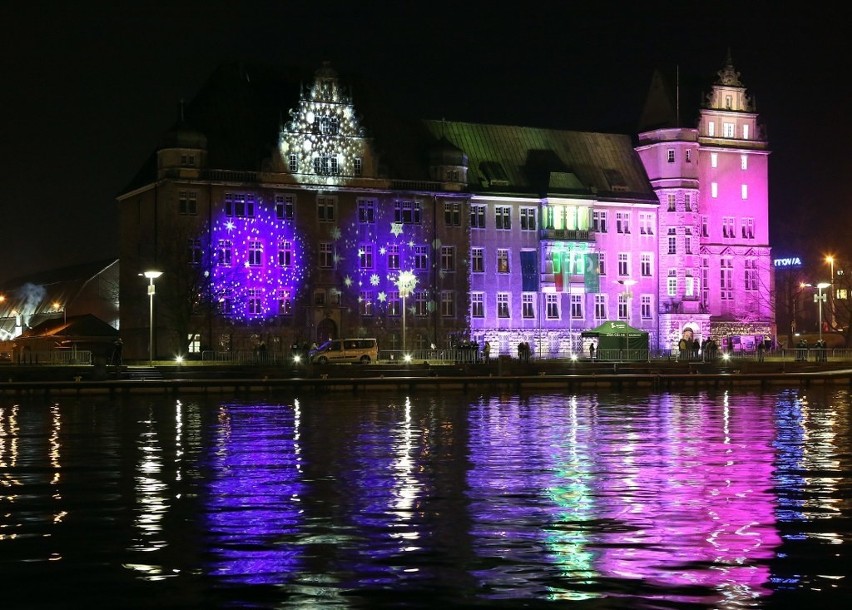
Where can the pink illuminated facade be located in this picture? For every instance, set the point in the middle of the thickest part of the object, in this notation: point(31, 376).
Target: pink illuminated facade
point(510, 234)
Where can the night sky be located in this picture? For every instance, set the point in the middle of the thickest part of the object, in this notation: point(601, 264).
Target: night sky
point(89, 89)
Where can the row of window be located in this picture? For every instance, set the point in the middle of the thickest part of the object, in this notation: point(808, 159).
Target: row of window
point(502, 302)
point(714, 157)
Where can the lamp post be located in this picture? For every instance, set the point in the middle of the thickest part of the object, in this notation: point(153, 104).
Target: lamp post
point(819, 298)
point(56, 306)
point(830, 260)
point(405, 284)
point(151, 275)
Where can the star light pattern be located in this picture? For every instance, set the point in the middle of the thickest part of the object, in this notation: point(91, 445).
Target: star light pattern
point(258, 264)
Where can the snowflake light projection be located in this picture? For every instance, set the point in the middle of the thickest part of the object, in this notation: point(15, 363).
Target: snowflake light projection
point(258, 265)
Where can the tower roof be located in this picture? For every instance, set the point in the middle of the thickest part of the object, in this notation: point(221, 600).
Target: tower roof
point(660, 108)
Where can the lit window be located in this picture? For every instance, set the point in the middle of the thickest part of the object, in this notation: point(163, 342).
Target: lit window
point(743, 161)
point(744, 191)
point(502, 260)
point(728, 129)
point(711, 130)
point(714, 189)
point(745, 132)
point(714, 159)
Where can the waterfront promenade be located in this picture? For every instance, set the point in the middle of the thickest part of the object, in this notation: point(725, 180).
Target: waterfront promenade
point(503, 374)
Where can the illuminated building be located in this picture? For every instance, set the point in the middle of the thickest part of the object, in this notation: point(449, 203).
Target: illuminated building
point(280, 226)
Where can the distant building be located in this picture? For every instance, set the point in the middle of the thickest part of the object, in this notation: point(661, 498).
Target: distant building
point(336, 218)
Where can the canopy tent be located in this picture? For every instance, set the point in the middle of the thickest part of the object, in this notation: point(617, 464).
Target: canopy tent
point(615, 335)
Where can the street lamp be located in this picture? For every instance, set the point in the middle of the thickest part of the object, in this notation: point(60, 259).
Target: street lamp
point(830, 260)
point(151, 275)
point(405, 284)
point(819, 298)
point(628, 294)
point(56, 306)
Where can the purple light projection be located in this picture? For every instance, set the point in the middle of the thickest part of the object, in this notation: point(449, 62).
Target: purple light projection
point(258, 260)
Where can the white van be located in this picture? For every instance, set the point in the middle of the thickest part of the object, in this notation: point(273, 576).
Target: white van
point(361, 351)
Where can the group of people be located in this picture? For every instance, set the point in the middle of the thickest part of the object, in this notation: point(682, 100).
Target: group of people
point(524, 352)
point(705, 350)
point(820, 351)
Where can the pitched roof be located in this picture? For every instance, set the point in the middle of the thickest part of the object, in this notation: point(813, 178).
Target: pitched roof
point(542, 162)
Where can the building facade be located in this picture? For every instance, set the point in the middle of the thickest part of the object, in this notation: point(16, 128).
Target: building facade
point(428, 234)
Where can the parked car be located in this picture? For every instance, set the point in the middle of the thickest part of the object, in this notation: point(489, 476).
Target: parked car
point(360, 351)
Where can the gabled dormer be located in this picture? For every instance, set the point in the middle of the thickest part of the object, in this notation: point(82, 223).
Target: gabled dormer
point(324, 143)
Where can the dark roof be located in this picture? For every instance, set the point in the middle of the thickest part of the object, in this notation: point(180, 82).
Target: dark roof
point(660, 108)
point(85, 326)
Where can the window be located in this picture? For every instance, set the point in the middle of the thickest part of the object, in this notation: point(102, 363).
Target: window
point(366, 211)
point(646, 223)
point(187, 160)
point(407, 212)
point(671, 283)
point(503, 305)
point(704, 227)
point(255, 301)
point(448, 258)
point(645, 306)
point(193, 251)
point(326, 207)
point(687, 156)
point(711, 130)
point(622, 222)
point(477, 217)
point(728, 129)
point(326, 125)
point(671, 200)
point(448, 303)
point(689, 285)
point(477, 305)
point(477, 258)
point(714, 159)
point(672, 240)
point(285, 206)
point(748, 228)
point(420, 257)
point(728, 102)
point(743, 162)
point(623, 308)
point(714, 190)
point(365, 256)
point(452, 213)
point(745, 132)
point(750, 274)
point(728, 226)
point(687, 202)
point(670, 155)
point(600, 307)
point(358, 166)
point(726, 281)
point(599, 221)
point(744, 191)
point(528, 219)
point(420, 304)
point(645, 264)
point(393, 256)
point(255, 253)
point(226, 301)
point(577, 307)
point(365, 302)
point(503, 217)
point(394, 303)
point(551, 306)
point(187, 203)
point(326, 255)
point(285, 305)
point(687, 244)
point(239, 205)
point(224, 252)
point(319, 297)
point(502, 260)
point(623, 264)
point(326, 165)
point(528, 305)
point(293, 163)
point(285, 253)
point(601, 263)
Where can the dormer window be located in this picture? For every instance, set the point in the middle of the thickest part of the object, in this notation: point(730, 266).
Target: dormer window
point(326, 165)
point(358, 166)
point(293, 162)
point(327, 125)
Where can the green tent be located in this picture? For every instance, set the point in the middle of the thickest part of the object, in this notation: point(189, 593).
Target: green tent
point(617, 339)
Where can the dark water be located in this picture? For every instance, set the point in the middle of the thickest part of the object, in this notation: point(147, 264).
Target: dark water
point(630, 500)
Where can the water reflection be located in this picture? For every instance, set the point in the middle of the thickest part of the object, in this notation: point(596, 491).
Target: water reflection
point(704, 500)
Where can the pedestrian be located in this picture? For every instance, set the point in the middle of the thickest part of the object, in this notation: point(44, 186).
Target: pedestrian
point(761, 348)
point(117, 346)
point(592, 350)
point(486, 351)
